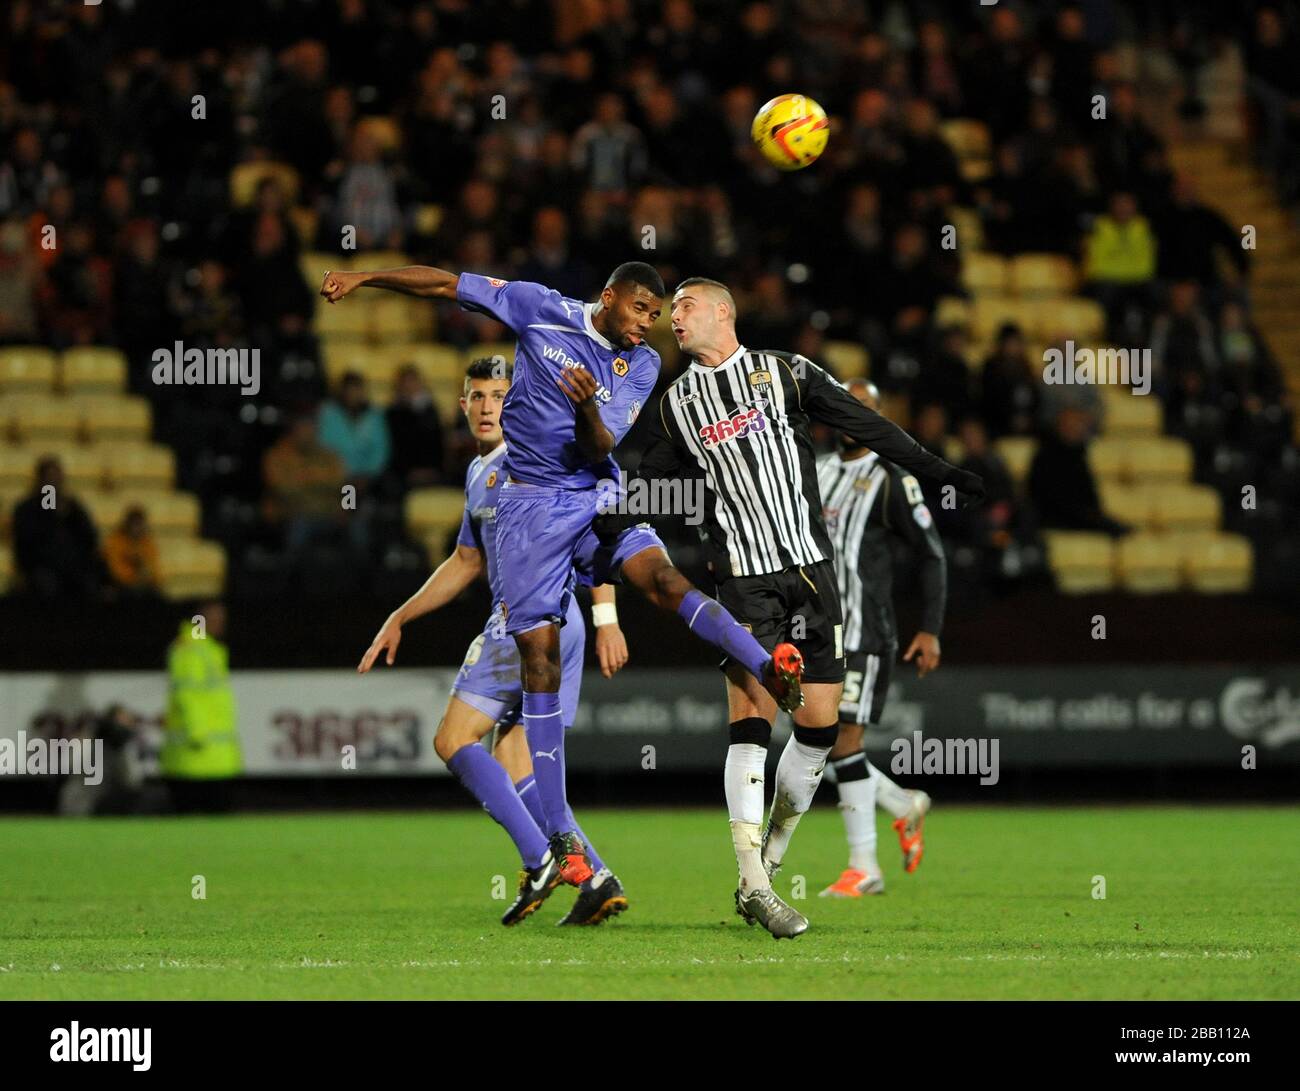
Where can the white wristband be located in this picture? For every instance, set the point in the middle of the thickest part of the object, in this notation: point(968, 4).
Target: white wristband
point(603, 613)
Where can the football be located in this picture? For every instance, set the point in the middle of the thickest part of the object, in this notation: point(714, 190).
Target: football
point(790, 131)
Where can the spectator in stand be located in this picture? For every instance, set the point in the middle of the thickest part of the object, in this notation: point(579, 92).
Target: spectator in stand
point(1274, 85)
point(19, 273)
point(131, 554)
point(56, 547)
point(1119, 265)
point(77, 294)
point(944, 378)
point(1009, 386)
point(550, 259)
point(1126, 149)
point(141, 302)
point(367, 197)
point(1183, 350)
point(609, 151)
point(28, 176)
point(1248, 386)
point(356, 431)
point(1061, 484)
point(1193, 237)
point(416, 432)
point(991, 523)
point(304, 482)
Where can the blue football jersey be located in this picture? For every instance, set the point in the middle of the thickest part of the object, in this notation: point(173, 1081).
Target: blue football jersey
point(478, 529)
point(537, 417)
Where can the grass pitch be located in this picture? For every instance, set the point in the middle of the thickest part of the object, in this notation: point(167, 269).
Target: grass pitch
point(1201, 903)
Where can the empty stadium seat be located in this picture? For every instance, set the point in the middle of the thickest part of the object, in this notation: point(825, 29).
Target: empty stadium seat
point(1149, 563)
point(139, 465)
point(389, 319)
point(1129, 414)
point(970, 230)
point(83, 467)
point(6, 569)
point(983, 273)
point(1042, 275)
point(1079, 318)
point(433, 510)
point(1157, 458)
point(846, 359)
point(1018, 453)
point(42, 418)
point(1106, 458)
point(114, 417)
point(91, 370)
point(952, 310)
point(27, 369)
point(15, 468)
point(191, 568)
point(1132, 505)
point(490, 349)
point(246, 177)
point(989, 313)
point(435, 362)
point(1180, 507)
point(1218, 563)
point(1081, 562)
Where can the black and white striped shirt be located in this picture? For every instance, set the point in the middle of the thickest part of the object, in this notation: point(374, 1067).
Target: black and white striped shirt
point(866, 502)
point(744, 428)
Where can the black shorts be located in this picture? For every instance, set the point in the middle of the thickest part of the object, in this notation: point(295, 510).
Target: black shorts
point(801, 606)
point(866, 685)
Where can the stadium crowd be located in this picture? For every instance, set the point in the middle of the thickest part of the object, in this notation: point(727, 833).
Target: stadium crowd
point(547, 148)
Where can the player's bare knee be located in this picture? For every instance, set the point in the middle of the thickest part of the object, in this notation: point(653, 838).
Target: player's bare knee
point(449, 740)
point(668, 587)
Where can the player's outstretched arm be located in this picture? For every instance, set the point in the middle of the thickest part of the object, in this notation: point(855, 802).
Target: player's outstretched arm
point(449, 579)
point(824, 400)
point(419, 280)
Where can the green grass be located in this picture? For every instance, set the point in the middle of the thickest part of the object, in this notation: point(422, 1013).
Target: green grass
point(1200, 903)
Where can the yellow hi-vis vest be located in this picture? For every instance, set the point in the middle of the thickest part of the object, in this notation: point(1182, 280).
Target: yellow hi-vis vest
point(202, 741)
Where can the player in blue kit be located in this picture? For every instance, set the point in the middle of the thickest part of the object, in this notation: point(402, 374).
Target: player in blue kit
point(582, 374)
point(487, 690)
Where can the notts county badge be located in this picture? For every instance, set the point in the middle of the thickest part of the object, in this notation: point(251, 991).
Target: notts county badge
point(620, 366)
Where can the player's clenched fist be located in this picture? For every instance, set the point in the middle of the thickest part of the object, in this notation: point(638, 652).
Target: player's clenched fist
point(338, 284)
point(578, 383)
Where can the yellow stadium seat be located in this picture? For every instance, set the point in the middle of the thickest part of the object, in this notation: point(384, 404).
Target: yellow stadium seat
point(105, 508)
point(83, 467)
point(1129, 414)
point(305, 221)
point(1148, 460)
point(15, 468)
point(428, 218)
point(433, 361)
point(93, 370)
point(433, 510)
point(347, 320)
point(115, 417)
point(27, 369)
point(990, 313)
point(970, 231)
point(43, 418)
point(173, 514)
point(446, 397)
point(983, 273)
point(140, 465)
point(1130, 504)
point(1218, 563)
point(846, 359)
point(6, 569)
point(383, 259)
point(10, 495)
point(1081, 562)
point(1078, 318)
point(1106, 458)
point(390, 319)
point(1042, 275)
point(313, 263)
point(1179, 507)
point(191, 568)
point(245, 178)
point(1149, 563)
point(1018, 453)
point(952, 310)
point(967, 137)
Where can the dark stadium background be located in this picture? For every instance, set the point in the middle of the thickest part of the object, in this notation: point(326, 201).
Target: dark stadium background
point(379, 115)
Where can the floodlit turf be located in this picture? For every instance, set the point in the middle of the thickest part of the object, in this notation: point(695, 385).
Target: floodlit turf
point(1200, 903)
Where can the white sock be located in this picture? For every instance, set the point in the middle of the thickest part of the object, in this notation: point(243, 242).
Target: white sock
point(858, 806)
point(889, 796)
point(798, 774)
point(743, 778)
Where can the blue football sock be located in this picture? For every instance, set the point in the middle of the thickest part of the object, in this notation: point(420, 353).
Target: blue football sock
point(489, 783)
point(544, 728)
point(711, 621)
point(527, 790)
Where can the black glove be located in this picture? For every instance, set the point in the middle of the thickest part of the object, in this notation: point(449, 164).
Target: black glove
point(969, 486)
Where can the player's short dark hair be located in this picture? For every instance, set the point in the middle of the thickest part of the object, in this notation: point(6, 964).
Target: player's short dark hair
point(717, 285)
point(638, 272)
point(490, 367)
